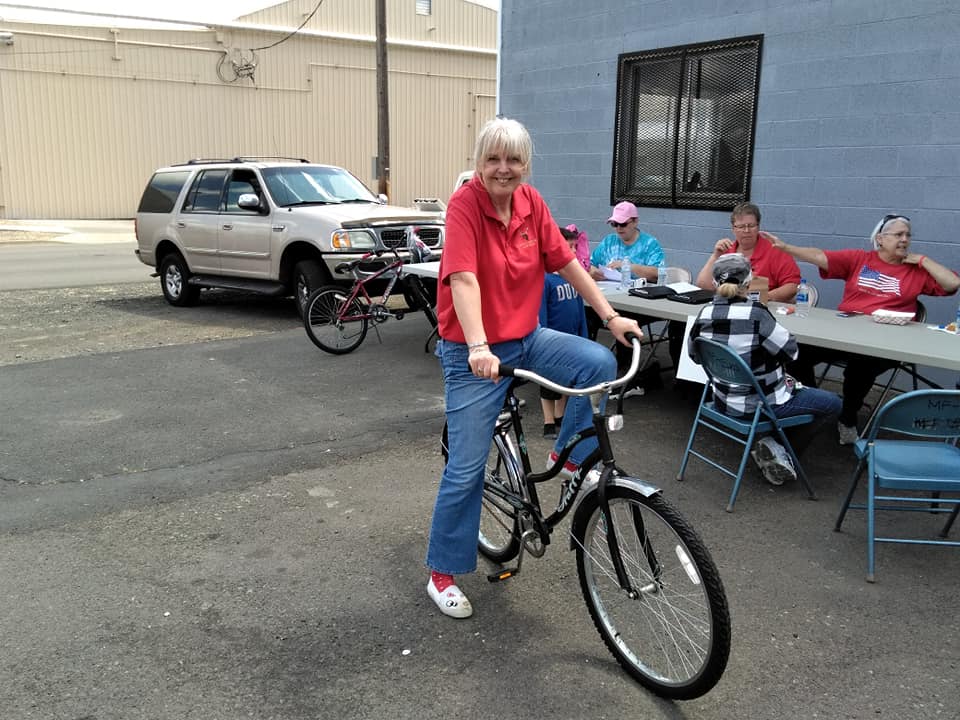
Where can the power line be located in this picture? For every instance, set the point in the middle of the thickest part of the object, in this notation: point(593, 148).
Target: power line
point(294, 32)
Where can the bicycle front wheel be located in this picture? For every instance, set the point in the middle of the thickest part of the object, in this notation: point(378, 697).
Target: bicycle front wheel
point(325, 323)
point(674, 636)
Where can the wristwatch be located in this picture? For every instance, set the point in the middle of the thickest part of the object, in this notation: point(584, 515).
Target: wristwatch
point(610, 317)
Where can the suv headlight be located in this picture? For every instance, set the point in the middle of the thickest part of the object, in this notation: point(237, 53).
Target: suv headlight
point(352, 240)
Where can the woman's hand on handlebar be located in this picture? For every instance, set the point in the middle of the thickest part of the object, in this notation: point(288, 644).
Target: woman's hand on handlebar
point(620, 326)
point(484, 364)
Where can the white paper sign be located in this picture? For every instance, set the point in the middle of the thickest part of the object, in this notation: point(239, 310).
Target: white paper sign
point(689, 370)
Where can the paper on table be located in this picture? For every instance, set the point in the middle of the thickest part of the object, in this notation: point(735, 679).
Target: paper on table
point(682, 286)
point(609, 273)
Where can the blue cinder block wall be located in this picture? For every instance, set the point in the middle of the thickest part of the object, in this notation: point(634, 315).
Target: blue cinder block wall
point(858, 115)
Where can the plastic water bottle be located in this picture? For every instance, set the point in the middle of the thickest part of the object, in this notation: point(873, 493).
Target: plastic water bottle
point(661, 275)
point(802, 302)
point(626, 278)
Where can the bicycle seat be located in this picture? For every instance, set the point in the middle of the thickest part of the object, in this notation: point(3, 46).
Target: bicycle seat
point(348, 266)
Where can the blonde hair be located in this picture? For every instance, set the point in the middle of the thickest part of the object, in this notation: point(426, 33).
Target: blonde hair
point(731, 290)
point(506, 135)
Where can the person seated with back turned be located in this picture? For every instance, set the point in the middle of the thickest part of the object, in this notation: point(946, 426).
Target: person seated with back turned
point(886, 277)
point(645, 255)
point(780, 270)
point(561, 309)
point(766, 346)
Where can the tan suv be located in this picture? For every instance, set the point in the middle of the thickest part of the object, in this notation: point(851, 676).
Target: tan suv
point(277, 226)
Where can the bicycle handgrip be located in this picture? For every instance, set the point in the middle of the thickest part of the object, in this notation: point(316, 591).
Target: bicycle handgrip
point(506, 371)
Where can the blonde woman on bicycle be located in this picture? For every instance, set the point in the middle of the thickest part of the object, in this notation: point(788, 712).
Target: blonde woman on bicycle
point(500, 241)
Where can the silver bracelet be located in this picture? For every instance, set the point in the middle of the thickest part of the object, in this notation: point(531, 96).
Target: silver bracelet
point(471, 346)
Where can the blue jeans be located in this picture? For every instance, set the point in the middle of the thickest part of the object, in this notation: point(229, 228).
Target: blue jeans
point(810, 400)
point(823, 405)
point(473, 405)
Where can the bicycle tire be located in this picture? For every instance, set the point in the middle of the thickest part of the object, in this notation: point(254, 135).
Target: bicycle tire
point(418, 299)
point(499, 536)
point(674, 638)
point(323, 328)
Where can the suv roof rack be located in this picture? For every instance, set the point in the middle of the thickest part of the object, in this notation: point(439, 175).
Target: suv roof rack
point(241, 159)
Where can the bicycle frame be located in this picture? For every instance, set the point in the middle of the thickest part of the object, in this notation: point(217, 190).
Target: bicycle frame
point(603, 456)
point(359, 287)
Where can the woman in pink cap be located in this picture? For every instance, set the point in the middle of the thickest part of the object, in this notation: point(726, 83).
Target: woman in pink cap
point(627, 241)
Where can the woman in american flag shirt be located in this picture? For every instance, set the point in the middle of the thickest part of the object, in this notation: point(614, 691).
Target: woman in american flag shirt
point(887, 277)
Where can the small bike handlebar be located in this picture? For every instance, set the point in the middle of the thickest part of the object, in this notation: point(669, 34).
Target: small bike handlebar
point(510, 371)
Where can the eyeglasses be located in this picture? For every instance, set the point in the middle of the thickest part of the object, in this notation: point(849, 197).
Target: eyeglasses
point(745, 227)
point(620, 225)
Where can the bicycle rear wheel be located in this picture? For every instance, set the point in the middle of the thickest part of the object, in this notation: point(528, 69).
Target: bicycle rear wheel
point(326, 330)
point(417, 299)
point(674, 637)
point(499, 538)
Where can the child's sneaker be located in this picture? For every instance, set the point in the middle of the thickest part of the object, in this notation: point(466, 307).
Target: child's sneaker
point(569, 468)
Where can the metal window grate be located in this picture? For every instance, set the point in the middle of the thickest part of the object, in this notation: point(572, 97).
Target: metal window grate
point(685, 124)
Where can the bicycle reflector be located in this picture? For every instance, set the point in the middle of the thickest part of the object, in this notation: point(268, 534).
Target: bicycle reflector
point(614, 423)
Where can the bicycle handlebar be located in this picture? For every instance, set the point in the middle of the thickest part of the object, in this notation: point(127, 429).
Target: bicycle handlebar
point(509, 371)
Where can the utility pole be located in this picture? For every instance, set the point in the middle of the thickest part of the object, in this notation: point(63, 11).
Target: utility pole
point(383, 103)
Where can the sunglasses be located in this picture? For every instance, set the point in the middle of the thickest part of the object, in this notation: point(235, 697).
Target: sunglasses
point(888, 218)
point(620, 225)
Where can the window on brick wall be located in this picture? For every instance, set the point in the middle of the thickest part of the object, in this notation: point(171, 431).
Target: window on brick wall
point(685, 124)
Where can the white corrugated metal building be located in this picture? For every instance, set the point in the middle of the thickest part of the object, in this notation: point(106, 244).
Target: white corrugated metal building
point(87, 113)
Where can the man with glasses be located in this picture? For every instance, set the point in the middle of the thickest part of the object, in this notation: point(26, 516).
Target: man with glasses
point(887, 277)
point(780, 270)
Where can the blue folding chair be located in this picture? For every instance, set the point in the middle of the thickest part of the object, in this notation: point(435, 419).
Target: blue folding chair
point(894, 463)
point(722, 363)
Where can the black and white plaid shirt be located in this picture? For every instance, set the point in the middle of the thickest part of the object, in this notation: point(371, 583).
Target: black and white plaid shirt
point(763, 343)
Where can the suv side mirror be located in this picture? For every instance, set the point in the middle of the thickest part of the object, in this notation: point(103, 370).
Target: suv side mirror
point(249, 201)
point(382, 198)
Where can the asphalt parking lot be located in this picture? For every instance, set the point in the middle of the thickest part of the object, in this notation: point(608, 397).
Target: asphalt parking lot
point(235, 527)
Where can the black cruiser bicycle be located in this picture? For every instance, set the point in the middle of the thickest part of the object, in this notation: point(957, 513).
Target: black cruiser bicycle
point(651, 587)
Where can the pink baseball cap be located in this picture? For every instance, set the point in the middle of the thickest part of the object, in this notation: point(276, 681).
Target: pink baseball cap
point(622, 212)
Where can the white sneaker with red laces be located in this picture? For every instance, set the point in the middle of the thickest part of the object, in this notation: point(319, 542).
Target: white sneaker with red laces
point(451, 601)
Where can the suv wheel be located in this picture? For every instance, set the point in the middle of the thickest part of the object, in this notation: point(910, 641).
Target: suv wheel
point(174, 280)
point(307, 277)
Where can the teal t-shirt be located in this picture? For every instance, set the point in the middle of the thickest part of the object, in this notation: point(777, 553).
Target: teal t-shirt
point(645, 250)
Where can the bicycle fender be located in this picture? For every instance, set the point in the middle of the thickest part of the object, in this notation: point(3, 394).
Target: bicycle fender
point(581, 513)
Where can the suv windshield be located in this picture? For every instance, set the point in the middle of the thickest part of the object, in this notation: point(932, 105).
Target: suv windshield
point(311, 184)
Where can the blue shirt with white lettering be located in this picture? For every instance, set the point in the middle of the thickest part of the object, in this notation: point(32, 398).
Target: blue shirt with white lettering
point(562, 307)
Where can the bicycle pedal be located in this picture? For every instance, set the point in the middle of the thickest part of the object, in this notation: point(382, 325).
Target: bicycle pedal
point(501, 575)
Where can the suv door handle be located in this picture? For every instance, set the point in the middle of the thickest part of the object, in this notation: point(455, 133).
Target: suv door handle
point(181, 224)
point(227, 226)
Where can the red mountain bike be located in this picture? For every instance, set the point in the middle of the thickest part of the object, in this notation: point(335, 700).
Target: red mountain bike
point(336, 319)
